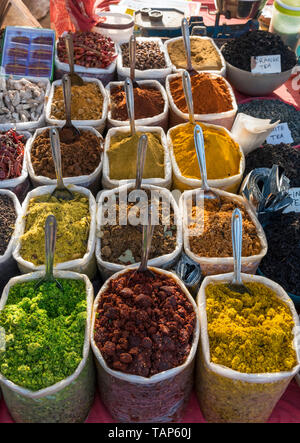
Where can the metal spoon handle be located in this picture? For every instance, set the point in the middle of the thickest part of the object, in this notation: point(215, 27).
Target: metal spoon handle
point(147, 238)
point(132, 55)
point(70, 51)
point(50, 240)
point(187, 88)
point(66, 84)
point(141, 157)
point(56, 154)
point(186, 41)
point(200, 151)
point(130, 103)
point(237, 236)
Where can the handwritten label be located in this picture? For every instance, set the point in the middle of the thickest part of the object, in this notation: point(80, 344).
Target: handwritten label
point(266, 64)
point(295, 206)
point(280, 134)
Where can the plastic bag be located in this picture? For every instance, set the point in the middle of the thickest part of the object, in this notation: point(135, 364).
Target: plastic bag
point(86, 264)
point(7, 263)
point(222, 71)
point(147, 74)
point(20, 185)
point(32, 125)
point(161, 120)
point(224, 119)
point(226, 395)
point(230, 184)
point(109, 183)
point(165, 261)
point(157, 399)
point(92, 181)
point(105, 75)
point(222, 265)
point(67, 401)
point(98, 124)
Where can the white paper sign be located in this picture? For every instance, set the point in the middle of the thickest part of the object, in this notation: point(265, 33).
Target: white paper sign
point(280, 134)
point(266, 64)
point(295, 206)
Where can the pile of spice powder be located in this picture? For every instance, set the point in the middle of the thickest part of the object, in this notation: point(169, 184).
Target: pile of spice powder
point(210, 95)
point(44, 332)
point(80, 157)
point(249, 333)
point(144, 324)
point(148, 102)
point(73, 228)
point(282, 155)
point(282, 262)
point(212, 236)
point(7, 221)
point(11, 154)
point(123, 151)
point(122, 244)
point(86, 102)
point(222, 153)
point(204, 55)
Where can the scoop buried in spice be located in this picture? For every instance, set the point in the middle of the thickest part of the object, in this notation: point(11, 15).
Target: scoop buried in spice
point(132, 56)
point(50, 240)
point(187, 88)
point(208, 194)
point(187, 46)
point(140, 161)
point(130, 103)
point(68, 132)
point(76, 80)
point(61, 192)
point(236, 284)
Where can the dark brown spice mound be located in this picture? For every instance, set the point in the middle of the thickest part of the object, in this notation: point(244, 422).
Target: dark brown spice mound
point(145, 324)
point(7, 221)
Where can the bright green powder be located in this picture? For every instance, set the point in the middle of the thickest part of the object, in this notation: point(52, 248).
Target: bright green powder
point(44, 332)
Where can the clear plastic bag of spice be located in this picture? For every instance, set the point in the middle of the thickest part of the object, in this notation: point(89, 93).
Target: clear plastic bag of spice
point(222, 265)
point(224, 119)
point(92, 181)
point(86, 264)
point(226, 395)
point(229, 184)
point(161, 120)
point(164, 182)
point(99, 124)
point(68, 401)
point(165, 261)
point(157, 399)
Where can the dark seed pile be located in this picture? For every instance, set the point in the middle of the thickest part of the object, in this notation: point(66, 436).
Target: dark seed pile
point(275, 110)
point(282, 155)
point(238, 52)
point(7, 221)
point(148, 56)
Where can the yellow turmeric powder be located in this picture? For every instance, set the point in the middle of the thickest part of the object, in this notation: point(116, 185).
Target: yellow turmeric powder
point(222, 153)
point(123, 151)
point(249, 333)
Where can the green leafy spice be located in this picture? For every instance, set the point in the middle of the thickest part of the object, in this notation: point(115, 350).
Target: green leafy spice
point(44, 332)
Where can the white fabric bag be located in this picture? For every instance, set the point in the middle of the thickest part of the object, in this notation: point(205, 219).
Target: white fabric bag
point(222, 265)
point(98, 124)
point(226, 395)
point(161, 119)
point(109, 183)
point(91, 181)
point(132, 398)
point(86, 264)
point(67, 401)
point(224, 119)
point(166, 261)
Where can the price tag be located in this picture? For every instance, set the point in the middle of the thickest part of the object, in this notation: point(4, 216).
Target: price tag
point(266, 64)
point(280, 134)
point(295, 206)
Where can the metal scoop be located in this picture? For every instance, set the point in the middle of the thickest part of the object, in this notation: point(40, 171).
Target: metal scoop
point(132, 57)
point(140, 162)
point(208, 194)
point(60, 192)
point(187, 46)
point(68, 133)
point(187, 89)
point(76, 80)
point(236, 284)
point(130, 104)
point(50, 240)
